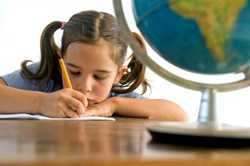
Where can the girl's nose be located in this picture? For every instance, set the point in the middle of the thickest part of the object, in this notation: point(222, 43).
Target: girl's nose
point(86, 86)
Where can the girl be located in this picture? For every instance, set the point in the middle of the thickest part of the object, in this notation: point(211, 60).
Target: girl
point(95, 55)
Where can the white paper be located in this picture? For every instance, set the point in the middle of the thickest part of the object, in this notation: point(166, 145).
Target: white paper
point(41, 117)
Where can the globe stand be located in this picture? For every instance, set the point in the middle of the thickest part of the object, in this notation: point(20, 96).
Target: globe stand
point(207, 110)
point(207, 131)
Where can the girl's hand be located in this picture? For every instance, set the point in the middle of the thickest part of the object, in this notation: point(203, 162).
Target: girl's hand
point(63, 103)
point(105, 108)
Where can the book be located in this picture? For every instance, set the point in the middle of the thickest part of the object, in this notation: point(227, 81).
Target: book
point(25, 116)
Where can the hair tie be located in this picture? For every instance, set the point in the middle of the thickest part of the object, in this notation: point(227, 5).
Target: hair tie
point(62, 25)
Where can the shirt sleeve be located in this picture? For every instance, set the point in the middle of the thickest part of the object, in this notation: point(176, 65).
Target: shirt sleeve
point(16, 80)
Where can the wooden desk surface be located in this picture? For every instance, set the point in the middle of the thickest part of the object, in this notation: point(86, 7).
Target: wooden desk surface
point(124, 142)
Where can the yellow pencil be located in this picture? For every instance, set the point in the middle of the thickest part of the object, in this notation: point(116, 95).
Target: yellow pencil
point(65, 75)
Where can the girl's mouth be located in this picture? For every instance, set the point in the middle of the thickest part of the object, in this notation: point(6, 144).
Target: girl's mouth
point(91, 102)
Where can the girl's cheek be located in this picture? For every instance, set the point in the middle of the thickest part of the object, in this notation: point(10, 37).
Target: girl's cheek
point(102, 93)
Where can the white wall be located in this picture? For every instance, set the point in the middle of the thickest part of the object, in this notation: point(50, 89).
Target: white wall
point(21, 23)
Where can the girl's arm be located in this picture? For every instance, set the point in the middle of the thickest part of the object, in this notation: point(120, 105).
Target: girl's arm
point(13, 100)
point(63, 103)
point(141, 108)
point(156, 109)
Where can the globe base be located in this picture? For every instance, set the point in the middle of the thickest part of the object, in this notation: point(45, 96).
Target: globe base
point(200, 134)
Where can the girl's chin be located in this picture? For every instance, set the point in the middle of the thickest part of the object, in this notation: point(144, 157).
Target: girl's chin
point(91, 102)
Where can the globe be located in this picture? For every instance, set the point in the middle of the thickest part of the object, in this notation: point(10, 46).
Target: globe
point(201, 36)
point(204, 37)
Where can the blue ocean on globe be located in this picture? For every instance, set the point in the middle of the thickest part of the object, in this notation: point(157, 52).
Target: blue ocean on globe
point(201, 36)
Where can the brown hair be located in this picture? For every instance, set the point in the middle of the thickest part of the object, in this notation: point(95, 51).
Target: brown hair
point(88, 27)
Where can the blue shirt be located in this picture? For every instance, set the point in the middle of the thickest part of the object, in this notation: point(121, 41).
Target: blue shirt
point(17, 80)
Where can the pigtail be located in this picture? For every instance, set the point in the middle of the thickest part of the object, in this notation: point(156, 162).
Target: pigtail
point(48, 68)
point(135, 75)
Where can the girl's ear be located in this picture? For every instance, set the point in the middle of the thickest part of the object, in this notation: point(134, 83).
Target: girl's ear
point(120, 73)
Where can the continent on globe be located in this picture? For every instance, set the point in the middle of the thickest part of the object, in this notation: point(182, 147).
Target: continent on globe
point(215, 18)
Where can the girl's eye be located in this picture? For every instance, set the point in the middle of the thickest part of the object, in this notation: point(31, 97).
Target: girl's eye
point(100, 77)
point(75, 73)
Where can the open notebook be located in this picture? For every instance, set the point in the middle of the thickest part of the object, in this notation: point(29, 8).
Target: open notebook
point(24, 116)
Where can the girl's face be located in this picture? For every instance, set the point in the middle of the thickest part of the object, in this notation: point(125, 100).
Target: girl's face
point(91, 69)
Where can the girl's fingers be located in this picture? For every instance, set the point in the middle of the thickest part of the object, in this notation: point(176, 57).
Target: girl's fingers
point(81, 97)
point(75, 106)
point(71, 114)
point(61, 114)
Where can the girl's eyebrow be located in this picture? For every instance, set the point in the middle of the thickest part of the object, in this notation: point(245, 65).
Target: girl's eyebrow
point(97, 71)
point(103, 71)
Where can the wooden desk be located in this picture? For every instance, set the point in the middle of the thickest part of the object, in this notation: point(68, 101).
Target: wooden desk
point(124, 142)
